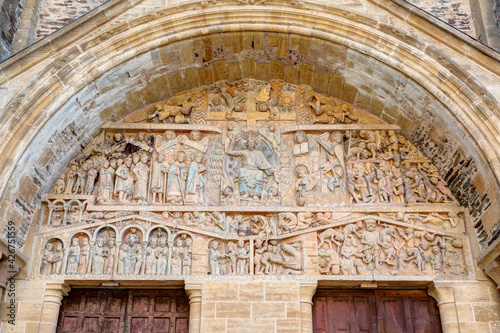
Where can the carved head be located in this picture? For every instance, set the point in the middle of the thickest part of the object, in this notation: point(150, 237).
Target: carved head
point(59, 246)
point(336, 137)
point(136, 158)
point(100, 241)
point(198, 157)
point(241, 243)
point(128, 161)
point(85, 242)
point(75, 242)
point(163, 241)
point(181, 156)
point(142, 136)
point(263, 107)
point(251, 144)
point(169, 135)
point(105, 164)
point(188, 242)
point(434, 180)
point(216, 102)
point(118, 137)
point(214, 245)
point(49, 247)
point(153, 242)
point(179, 241)
point(195, 135)
point(300, 137)
point(228, 191)
point(144, 158)
point(301, 170)
point(370, 224)
point(111, 242)
point(132, 239)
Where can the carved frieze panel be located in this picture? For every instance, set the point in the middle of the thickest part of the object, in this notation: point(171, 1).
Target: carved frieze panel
point(251, 178)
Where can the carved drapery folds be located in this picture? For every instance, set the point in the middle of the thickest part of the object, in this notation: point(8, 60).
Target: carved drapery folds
point(251, 178)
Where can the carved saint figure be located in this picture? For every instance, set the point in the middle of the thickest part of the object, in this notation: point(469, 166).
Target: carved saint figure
point(158, 178)
point(162, 256)
point(130, 255)
point(151, 259)
point(177, 175)
point(106, 183)
point(141, 177)
point(124, 180)
point(99, 254)
point(109, 258)
point(195, 185)
point(73, 257)
point(84, 257)
point(254, 165)
point(242, 258)
point(177, 256)
point(214, 255)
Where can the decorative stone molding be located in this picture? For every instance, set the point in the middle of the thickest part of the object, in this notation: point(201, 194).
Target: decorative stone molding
point(193, 290)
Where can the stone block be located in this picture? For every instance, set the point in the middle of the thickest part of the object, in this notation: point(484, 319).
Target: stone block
point(220, 70)
point(281, 291)
point(464, 312)
point(248, 68)
point(233, 310)
point(306, 74)
point(471, 292)
point(335, 85)
point(293, 310)
point(160, 85)
point(176, 84)
point(271, 39)
point(304, 45)
point(234, 72)
point(237, 42)
point(268, 310)
point(348, 93)
point(250, 326)
point(292, 74)
point(207, 46)
point(191, 78)
point(205, 76)
point(213, 325)
point(29, 311)
point(208, 310)
point(487, 312)
point(187, 54)
point(277, 70)
point(282, 45)
point(220, 291)
point(262, 71)
point(472, 327)
point(288, 326)
point(134, 100)
point(251, 291)
point(258, 41)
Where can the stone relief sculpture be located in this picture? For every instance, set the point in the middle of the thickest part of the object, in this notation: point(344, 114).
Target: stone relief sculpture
point(375, 246)
point(251, 178)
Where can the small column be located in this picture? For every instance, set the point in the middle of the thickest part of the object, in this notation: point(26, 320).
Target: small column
point(193, 290)
point(445, 297)
point(307, 291)
point(54, 293)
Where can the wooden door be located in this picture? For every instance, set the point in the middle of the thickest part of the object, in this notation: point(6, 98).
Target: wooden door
point(375, 311)
point(117, 311)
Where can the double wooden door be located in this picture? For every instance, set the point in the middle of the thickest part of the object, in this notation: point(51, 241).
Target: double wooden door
point(131, 311)
point(380, 311)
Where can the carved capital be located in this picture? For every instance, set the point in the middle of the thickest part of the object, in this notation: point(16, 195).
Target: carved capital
point(55, 291)
point(193, 290)
point(443, 294)
point(493, 271)
point(307, 291)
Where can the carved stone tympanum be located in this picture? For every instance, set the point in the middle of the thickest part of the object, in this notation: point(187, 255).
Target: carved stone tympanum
point(251, 178)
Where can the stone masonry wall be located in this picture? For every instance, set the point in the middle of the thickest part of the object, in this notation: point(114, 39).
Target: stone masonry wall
point(10, 11)
point(262, 306)
point(55, 14)
point(455, 13)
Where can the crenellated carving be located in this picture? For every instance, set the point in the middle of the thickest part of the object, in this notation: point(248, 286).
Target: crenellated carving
point(251, 178)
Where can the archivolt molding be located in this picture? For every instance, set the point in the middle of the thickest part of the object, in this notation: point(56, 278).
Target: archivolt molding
point(465, 98)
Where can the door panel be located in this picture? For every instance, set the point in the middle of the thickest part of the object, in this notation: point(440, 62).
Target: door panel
point(375, 311)
point(117, 311)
